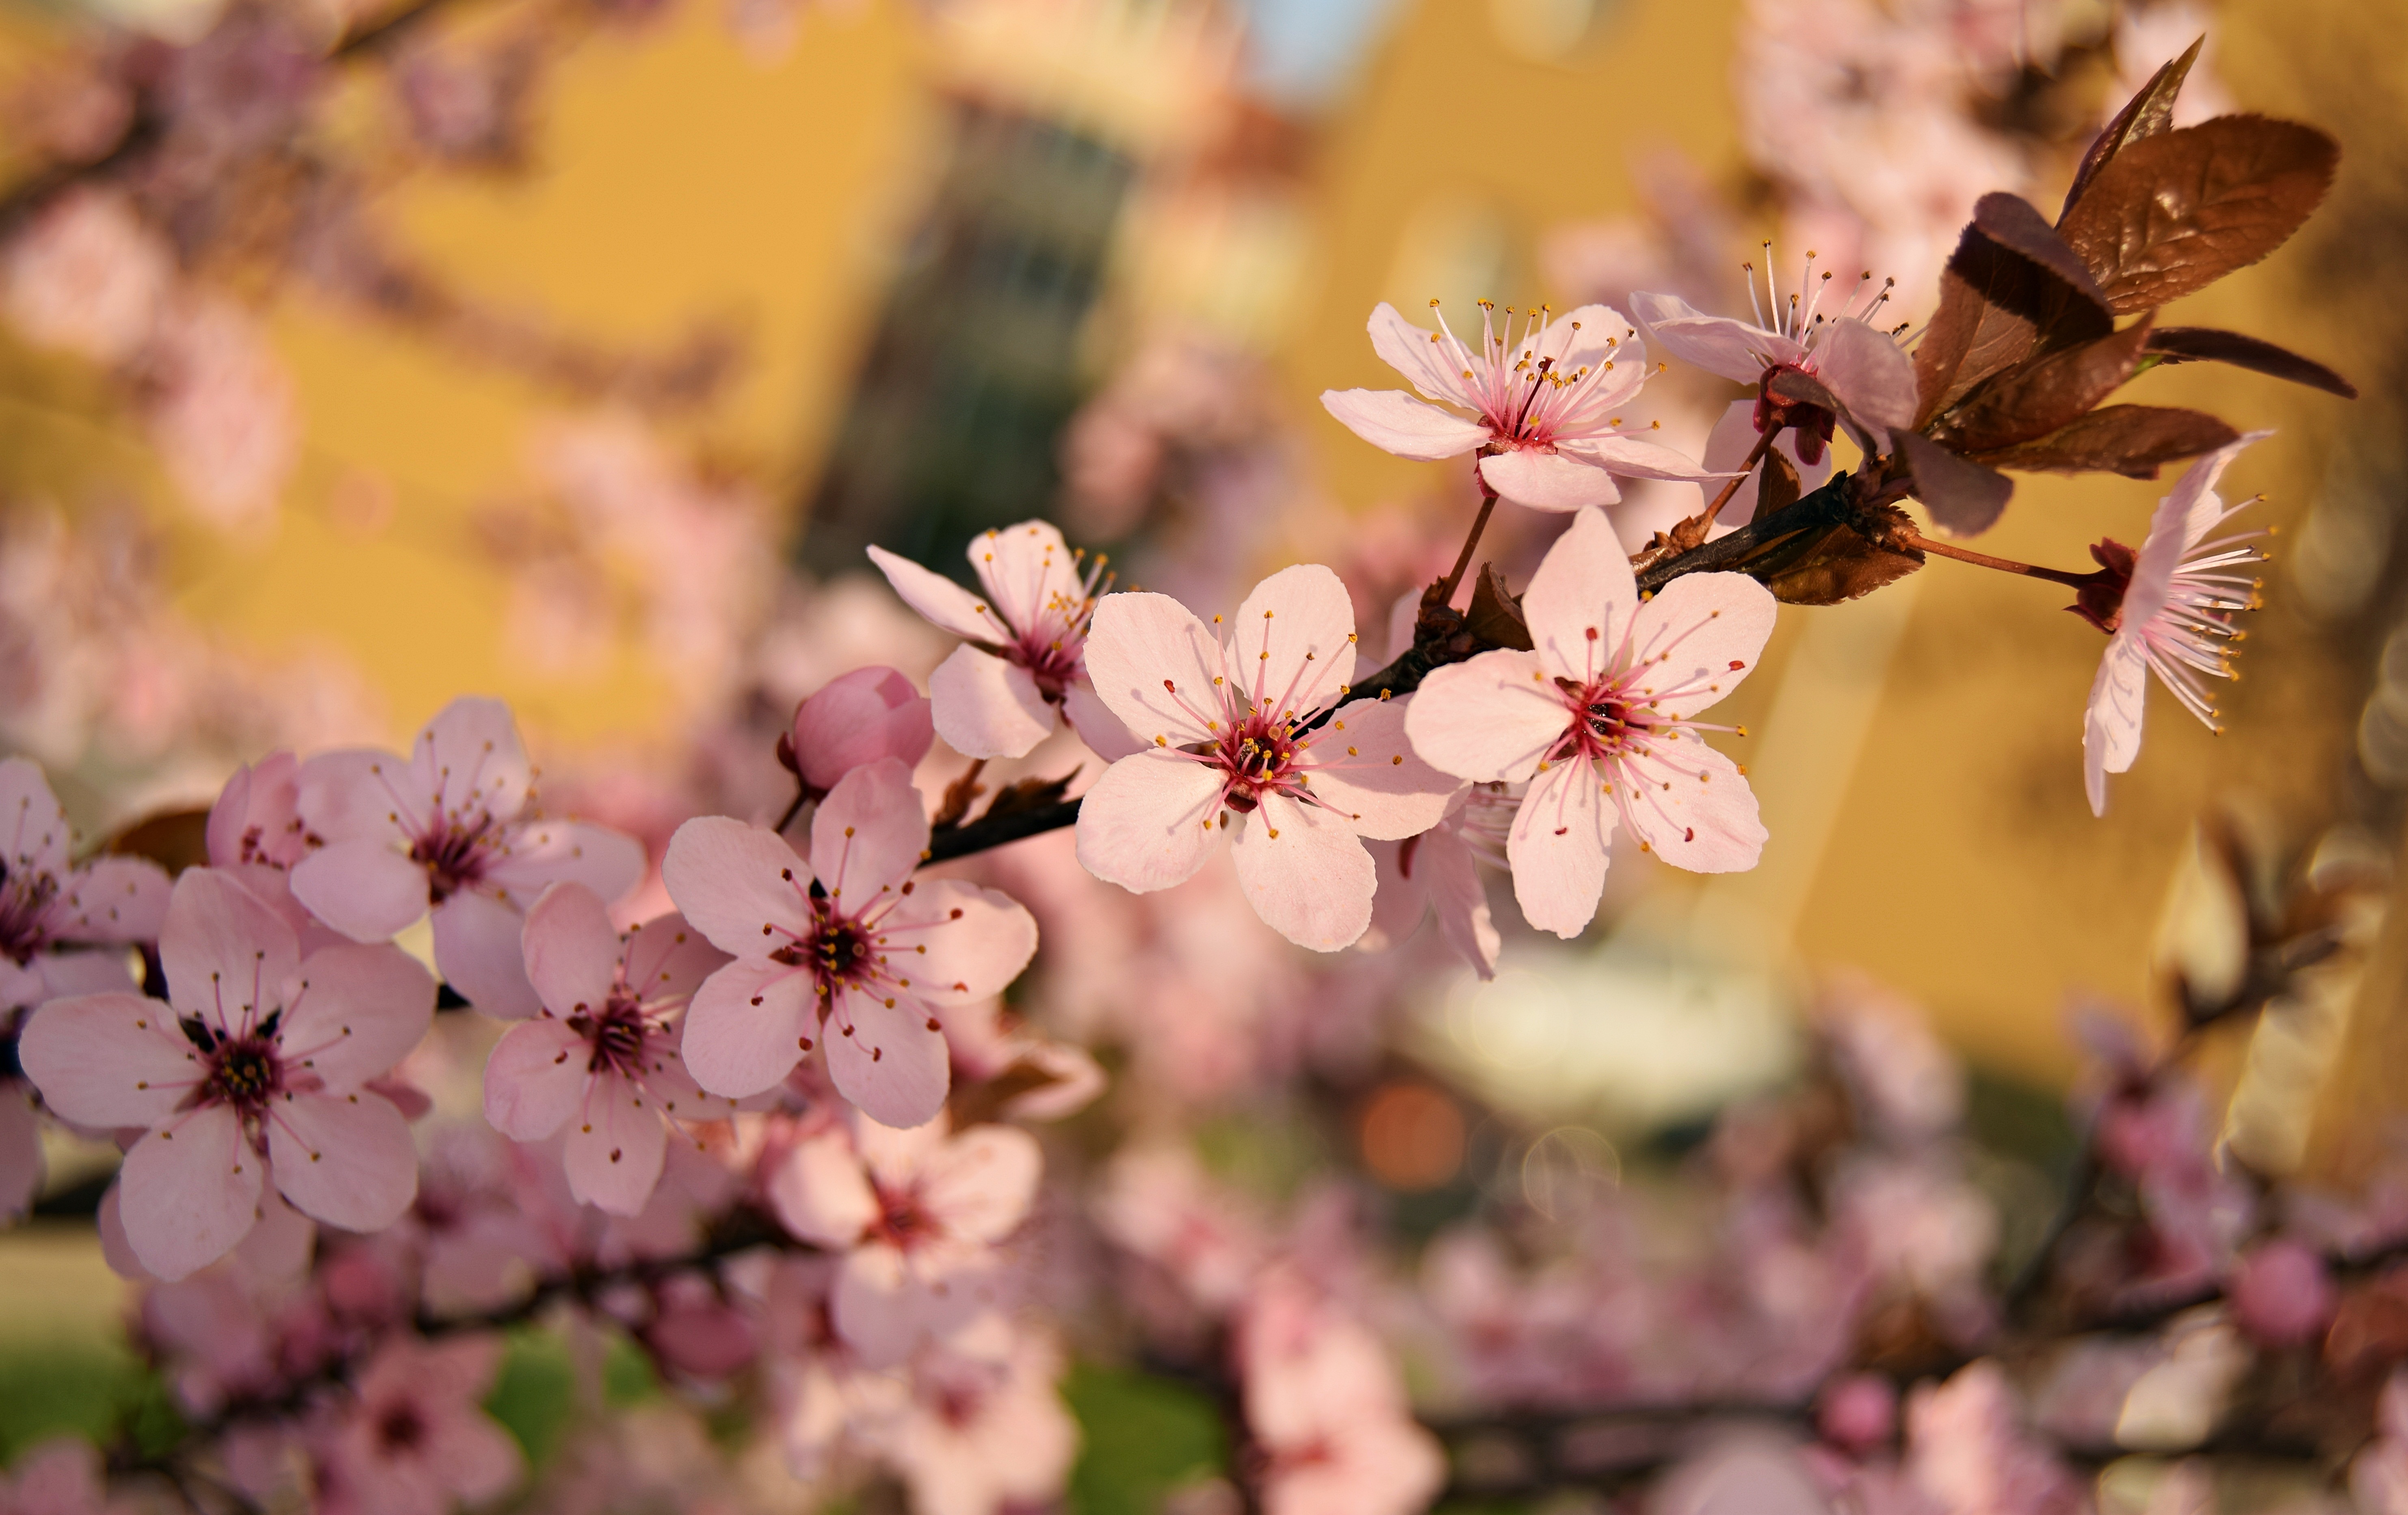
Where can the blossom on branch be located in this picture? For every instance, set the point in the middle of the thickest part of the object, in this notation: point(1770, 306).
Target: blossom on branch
point(413, 1440)
point(1438, 874)
point(255, 1069)
point(454, 828)
point(847, 952)
point(856, 718)
point(1246, 722)
point(51, 912)
point(1599, 719)
point(1546, 400)
point(1327, 1411)
point(1020, 657)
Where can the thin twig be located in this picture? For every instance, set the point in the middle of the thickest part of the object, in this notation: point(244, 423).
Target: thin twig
point(1446, 586)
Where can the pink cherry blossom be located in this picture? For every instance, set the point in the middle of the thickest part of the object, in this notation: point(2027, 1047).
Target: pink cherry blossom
point(916, 1214)
point(1438, 874)
point(601, 1061)
point(2282, 1294)
point(224, 415)
point(1246, 722)
point(414, 1440)
point(253, 1072)
point(49, 908)
point(88, 276)
point(856, 719)
point(982, 1432)
point(1546, 398)
point(1860, 364)
point(1327, 1411)
point(61, 1475)
point(452, 827)
point(2172, 617)
point(1021, 658)
point(860, 970)
point(1602, 711)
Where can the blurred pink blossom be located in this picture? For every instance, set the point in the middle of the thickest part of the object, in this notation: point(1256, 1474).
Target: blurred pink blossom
point(89, 276)
point(53, 914)
point(413, 1440)
point(856, 719)
point(224, 413)
point(1327, 1411)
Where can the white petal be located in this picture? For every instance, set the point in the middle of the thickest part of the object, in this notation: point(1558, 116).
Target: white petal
point(1717, 345)
point(1364, 766)
point(1693, 808)
point(1548, 481)
point(1025, 567)
point(1149, 821)
point(1580, 600)
point(1156, 665)
point(2111, 726)
point(1394, 422)
point(944, 603)
point(1557, 848)
point(985, 707)
point(1700, 635)
point(1291, 645)
point(1427, 365)
point(1306, 873)
point(1487, 720)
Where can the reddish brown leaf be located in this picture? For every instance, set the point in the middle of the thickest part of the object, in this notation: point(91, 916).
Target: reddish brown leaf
point(2172, 214)
point(2043, 394)
point(1835, 564)
point(2196, 344)
point(174, 839)
point(1964, 497)
point(1997, 307)
point(1496, 614)
point(2014, 224)
point(1777, 485)
point(2130, 439)
point(2148, 113)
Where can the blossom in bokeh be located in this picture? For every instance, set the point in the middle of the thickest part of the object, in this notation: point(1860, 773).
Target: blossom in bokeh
point(53, 913)
point(1438, 874)
point(225, 415)
point(1545, 398)
point(414, 1439)
point(983, 1432)
point(1327, 1411)
point(1598, 719)
point(452, 828)
point(2167, 608)
point(860, 970)
point(88, 276)
point(253, 1070)
point(1020, 657)
point(601, 1061)
point(2281, 1294)
point(1246, 721)
point(856, 719)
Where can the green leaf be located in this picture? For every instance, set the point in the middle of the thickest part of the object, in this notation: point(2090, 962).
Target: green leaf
point(1141, 1435)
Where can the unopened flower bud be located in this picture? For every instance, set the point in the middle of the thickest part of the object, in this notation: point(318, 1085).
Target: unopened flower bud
point(2280, 1294)
point(1859, 1411)
point(868, 713)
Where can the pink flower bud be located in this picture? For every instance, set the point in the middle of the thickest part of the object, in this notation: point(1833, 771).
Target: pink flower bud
point(1859, 1411)
point(2280, 1294)
point(868, 713)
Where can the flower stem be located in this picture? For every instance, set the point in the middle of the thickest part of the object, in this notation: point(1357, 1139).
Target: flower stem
point(1463, 559)
point(802, 792)
point(1908, 535)
point(1755, 454)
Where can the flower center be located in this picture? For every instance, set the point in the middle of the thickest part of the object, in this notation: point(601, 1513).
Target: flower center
point(839, 950)
point(455, 857)
point(401, 1429)
point(244, 1072)
point(619, 1033)
point(1051, 653)
point(24, 898)
point(1604, 722)
point(901, 1220)
point(1257, 756)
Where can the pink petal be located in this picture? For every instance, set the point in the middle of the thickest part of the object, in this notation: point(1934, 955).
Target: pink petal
point(62, 974)
point(1138, 642)
point(34, 833)
point(875, 1306)
point(1717, 345)
point(535, 1079)
point(2111, 725)
point(359, 1011)
point(476, 950)
point(986, 707)
point(1557, 848)
point(614, 1153)
point(819, 1193)
point(226, 954)
point(1096, 726)
point(572, 953)
point(667, 959)
point(2183, 516)
point(1548, 481)
point(1588, 336)
point(1366, 770)
point(893, 1064)
point(1427, 365)
point(113, 900)
point(470, 759)
point(981, 1184)
point(115, 1250)
point(343, 1159)
point(1692, 806)
point(1292, 644)
point(186, 1195)
point(1702, 633)
point(859, 718)
point(1445, 866)
point(940, 601)
point(1398, 902)
point(1733, 438)
point(1306, 873)
point(1581, 599)
point(868, 833)
point(543, 852)
point(1868, 373)
point(109, 1059)
point(480, 1461)
point(1147, 824)
point(1024, 569)
point(731, 880)
point(21, 1167)
point(363, 889)
point(360, 794)
point(745, 1030)
point(894, 1155)
point(1394, 422)
point(976, 940)
point(264, 797)
point(1490, 718)
point(1633, 458)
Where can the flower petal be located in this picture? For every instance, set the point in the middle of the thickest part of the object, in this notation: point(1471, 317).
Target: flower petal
point(1703, 633)
point(1148, 823)
point(740, 885)
point(1733, 438)
point(1025, 569)
point(1634, 458)
point(1096, 723)
point(876, 1308)
point(1306, 873)
point(470, 759)
point(1868, 372)
point(572, 953)
point(2111, 725)
point(985, 707)
point(888, 1055)
point(1548, 481)
point(981, 1184)
point(1581, 599)
point(344, 1159)
point(1424, 359)
point(940, 601)
point(543, 853)
point(858, 717)
point(1558, 847)
point(109, 1059)
point(750, 1024)
point(820, 1192)
point(1717, 345)
point(1292, 643)
point(34, 837)
point(667, 959)
point(1365, 769)
point(1154, 665)
point(359, 1011)
point(868, 833)
point(535, 1079)
point(476, 950)
point(1394, 422)
point(362, 887)
point(1693, 808)
point(1489, 718)
point(112, 899)
point(226, 954)
point(360, 794)
point(186, 1196)
point(614, 1153)
point(955, 942)
point(1446, 869)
